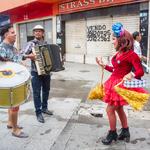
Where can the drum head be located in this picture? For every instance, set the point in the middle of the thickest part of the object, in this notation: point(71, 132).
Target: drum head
point(12, 74)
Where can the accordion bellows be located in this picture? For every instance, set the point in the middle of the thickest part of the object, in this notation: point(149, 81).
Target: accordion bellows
point(97, 92)
point(48, 58)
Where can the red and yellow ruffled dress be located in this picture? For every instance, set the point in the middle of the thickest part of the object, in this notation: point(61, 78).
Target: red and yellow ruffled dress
point(121, 65)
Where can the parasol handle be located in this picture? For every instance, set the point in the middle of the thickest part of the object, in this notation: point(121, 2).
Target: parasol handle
point(119, 83)
point(102, 76)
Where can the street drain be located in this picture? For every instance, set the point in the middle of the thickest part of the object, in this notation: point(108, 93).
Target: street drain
point(62, 80)
point(83, 71)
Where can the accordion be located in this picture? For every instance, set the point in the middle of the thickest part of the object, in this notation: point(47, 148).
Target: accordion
point(48, 58)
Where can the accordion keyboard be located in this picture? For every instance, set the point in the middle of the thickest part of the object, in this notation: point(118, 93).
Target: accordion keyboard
point(40, 60)
point(39, 64)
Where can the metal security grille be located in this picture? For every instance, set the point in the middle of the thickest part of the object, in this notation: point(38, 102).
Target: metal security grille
point(93, 37)
point(75, 40)
point(98, 38)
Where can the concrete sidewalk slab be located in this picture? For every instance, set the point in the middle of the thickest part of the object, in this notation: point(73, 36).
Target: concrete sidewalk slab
point(77, 71)
point(98, 108)
point(41, 136)
point(88, 137)
point(81, 131)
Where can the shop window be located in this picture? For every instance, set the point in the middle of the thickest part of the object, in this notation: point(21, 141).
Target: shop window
point(26, 33)
point(29, 38)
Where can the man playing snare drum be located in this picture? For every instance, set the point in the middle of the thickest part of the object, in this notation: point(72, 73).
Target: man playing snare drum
point(8, 53)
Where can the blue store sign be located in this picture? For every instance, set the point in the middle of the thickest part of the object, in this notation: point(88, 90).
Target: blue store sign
point(4, 20)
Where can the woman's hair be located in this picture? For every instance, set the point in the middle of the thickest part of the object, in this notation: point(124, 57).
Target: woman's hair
point(125, 42)
point(125, 39)
point(135, 34)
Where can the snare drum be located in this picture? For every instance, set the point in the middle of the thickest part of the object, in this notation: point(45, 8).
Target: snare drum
point(14, 84)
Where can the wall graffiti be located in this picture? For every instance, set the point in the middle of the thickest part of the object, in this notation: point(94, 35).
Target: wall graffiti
point(98, 33)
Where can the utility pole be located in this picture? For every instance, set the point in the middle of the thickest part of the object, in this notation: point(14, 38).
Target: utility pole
point(148, 47)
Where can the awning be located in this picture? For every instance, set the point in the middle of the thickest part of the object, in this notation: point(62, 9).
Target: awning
point(21, 10)
point(11, 4)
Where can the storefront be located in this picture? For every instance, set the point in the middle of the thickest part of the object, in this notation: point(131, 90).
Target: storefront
point(86, 26)
point(26, 14)
point(26, 33)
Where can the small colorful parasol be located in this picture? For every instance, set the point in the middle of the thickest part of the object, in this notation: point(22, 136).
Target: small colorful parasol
point(98, 91)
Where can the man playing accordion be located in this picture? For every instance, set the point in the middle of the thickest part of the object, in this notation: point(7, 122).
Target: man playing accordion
point(40, 83)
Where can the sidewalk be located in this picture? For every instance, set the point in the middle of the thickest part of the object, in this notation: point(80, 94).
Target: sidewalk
point(72, 127)
point(41, 136)
point(84, 131)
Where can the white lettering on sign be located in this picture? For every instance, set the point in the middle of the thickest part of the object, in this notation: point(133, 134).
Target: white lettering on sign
point(76, 4)
point(84, 4)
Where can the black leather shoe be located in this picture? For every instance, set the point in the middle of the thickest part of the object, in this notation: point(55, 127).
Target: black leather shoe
point(59, 69)
point(40, 118)
point(111, 136)
point(48, 112)
point(124, 135)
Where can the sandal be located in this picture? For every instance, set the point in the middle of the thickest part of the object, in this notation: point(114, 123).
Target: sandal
point(20, 135)
point(10, 127)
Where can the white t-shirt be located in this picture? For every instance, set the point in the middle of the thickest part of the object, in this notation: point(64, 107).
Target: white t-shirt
point(137, 48)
